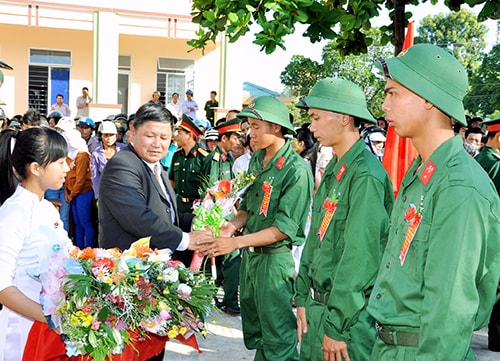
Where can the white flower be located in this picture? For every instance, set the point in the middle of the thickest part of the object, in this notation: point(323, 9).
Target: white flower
point(162, 255)
point(184, 291)
point(171, 275)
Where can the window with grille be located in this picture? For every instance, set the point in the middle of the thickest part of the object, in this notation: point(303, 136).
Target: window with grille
point(48, 75)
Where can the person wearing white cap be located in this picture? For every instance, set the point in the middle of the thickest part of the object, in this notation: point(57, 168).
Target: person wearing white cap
point(210, 140)
point(107, 148)
point(78, 188)
point(65, 123)
point(375, 140)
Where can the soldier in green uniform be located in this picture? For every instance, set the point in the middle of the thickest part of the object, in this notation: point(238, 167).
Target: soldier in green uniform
point(349, 227)
point(489, 159)
point(187, 161)
point(185, 173)
point(219, 165)
point(273, 213)
point(219, 162)
point(440, 269)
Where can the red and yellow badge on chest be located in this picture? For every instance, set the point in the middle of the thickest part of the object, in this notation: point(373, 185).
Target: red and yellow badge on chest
point(413, 216)
point(329, 205)
point(267, 188)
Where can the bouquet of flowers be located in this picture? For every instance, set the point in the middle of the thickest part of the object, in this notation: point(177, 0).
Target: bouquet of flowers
point(217, 206)
point(218, 202)
point(107, 299)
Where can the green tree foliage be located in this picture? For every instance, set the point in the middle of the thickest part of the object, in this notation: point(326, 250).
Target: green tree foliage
point(484, 97)
point(458, 31)
point(302, 73)
point(338, 20)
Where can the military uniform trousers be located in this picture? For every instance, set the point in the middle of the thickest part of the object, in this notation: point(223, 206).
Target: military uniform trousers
point(266, 292)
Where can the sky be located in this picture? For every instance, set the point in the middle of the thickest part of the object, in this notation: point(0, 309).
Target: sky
point(270, 66)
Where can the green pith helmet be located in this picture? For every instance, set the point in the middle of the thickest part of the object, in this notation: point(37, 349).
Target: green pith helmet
point(271, 110)
point(434, 74)
point(339, 96)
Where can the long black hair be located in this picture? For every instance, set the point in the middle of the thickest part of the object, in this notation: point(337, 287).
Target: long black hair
point(34, 145)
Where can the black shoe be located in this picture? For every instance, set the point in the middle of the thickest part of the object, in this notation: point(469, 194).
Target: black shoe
point(234, 311)
point(494, 346)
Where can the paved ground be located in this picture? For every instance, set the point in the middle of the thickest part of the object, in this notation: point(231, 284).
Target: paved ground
point(225, 342)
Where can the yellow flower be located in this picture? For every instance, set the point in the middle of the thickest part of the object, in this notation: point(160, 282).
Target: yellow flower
point(87, 320)
point(183, 331)
point(74, 320)
point(166, 292)
point(159, 278)
point(172, 333)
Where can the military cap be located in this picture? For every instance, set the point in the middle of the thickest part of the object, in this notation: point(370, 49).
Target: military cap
point(492, 125)
point(339, 96)
point(187, 124)
point(271, 110)
point(231, 126)
point(432, 73)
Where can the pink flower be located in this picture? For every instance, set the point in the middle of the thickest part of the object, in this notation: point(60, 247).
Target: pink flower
point(95, 325)
point(165, 315)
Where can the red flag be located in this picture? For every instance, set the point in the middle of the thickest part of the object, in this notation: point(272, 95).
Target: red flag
point(409, 35)
point(399, 152)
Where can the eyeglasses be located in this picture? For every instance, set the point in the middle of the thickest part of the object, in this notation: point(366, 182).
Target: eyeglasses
point(385, 68)
point(254, 112)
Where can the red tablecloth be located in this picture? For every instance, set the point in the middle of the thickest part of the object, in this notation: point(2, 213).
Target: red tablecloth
point(45, 345)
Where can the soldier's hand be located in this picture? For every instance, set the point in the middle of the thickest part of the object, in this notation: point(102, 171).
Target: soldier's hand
point(334, 350)
point(227, 230)
point(217, 246)
point(301, 322)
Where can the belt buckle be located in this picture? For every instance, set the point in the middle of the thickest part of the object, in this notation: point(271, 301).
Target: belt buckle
point(251, 249)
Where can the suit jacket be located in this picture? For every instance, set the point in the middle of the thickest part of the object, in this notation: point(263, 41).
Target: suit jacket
point(132, 205)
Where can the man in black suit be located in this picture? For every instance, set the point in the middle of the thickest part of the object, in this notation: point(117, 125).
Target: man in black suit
point(134, 201)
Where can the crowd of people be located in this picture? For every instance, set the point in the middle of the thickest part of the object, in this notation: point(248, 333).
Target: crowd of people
point(371, 278)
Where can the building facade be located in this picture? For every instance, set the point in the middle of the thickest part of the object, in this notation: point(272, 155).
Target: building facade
point(121, 50)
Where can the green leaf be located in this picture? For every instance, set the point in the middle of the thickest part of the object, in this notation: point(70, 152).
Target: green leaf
point(103, 314)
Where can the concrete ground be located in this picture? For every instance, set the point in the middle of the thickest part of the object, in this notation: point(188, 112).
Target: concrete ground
point(225, 342)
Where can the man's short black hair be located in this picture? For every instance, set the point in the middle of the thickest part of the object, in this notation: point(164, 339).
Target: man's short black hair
point(474, 130)
point(152, 112)
point(60, 95)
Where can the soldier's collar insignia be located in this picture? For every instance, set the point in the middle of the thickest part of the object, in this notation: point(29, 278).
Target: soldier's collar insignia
point(426, 175)
point(341, 172)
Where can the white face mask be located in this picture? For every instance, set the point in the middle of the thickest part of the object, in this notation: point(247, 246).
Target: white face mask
point(471, 148)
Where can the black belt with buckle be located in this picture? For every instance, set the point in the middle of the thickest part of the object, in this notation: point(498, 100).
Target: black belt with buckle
point(319, 296)
point(269, 250)
point(186, 200)
point(397, 338)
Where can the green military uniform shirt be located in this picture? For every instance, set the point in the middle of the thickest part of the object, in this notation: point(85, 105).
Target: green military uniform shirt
point(218, 166)
point(287, 208)
point(345, 262)
point(489, 159)
point(280, 197)
point(186, 171)
point(442, 285)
